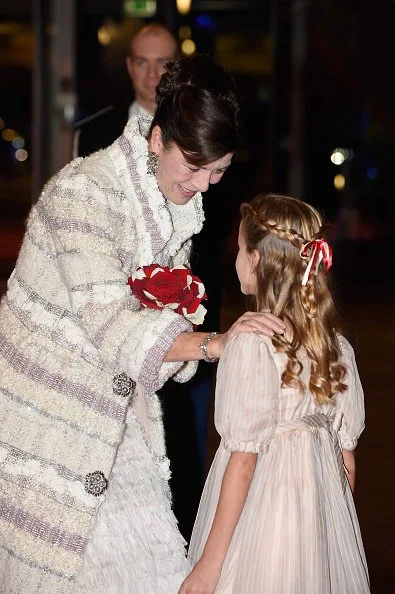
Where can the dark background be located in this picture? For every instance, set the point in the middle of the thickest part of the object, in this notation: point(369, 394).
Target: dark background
point(314, 76)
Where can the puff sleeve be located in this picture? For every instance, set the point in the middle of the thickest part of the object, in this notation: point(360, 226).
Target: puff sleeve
point(351, 402)
point(247, 394)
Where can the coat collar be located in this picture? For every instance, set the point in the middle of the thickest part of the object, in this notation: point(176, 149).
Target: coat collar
point(161, 226)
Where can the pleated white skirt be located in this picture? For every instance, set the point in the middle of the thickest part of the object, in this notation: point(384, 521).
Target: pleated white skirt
point(298, 532)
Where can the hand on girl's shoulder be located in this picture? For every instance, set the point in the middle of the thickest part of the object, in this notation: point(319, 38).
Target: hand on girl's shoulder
point(248, 342)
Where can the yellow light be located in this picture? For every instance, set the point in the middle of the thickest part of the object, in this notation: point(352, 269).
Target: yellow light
point(339, 181)
point(184, 6)
point(107, 32)
point(104, 35)
point(9, 134)
point(184, 32)
point(188, 47)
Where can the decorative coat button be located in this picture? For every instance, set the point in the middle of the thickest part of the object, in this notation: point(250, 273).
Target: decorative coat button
point(95, 483)
point(122, 385)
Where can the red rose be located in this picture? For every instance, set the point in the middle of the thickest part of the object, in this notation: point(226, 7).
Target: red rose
point(175, 288)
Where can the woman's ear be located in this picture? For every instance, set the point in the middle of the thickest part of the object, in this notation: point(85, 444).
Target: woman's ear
point(155, 141)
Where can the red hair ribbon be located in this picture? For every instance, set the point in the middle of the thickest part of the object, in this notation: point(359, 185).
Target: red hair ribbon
point(315, 251)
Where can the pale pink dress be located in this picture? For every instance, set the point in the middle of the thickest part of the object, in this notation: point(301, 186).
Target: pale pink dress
point(298, 532)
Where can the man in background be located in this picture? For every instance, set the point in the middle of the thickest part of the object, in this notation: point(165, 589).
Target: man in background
point(150, 48)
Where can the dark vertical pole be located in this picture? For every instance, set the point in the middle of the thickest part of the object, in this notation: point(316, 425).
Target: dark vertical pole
point(40, 164)
point(63, 82)
point(53, 88)
point(296, 98)
point(278, 124)
point(271, 133)
point(167, 12)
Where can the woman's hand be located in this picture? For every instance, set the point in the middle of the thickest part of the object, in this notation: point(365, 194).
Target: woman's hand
point(202, 579)
point(259, 322)
point(186, 345)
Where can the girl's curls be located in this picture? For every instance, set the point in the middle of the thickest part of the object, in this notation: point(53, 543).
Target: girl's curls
point(278, 227)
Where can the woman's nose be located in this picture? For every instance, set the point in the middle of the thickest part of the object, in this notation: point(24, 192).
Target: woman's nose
point(202, 180)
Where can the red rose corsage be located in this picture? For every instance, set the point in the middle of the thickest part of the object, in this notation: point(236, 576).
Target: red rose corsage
point(177, 288)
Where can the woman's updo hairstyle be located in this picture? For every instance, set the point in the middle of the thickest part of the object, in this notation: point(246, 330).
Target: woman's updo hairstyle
point(198, 109)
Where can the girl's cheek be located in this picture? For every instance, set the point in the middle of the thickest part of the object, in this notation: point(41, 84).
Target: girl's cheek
point(237, 265)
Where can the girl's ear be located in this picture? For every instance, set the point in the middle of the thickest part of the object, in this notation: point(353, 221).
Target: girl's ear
point(155, 142)
point(255, 257)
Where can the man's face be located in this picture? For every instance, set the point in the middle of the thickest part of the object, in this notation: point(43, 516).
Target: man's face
point(149, 54)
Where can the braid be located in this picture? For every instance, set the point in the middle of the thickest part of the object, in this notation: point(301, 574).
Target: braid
point(307, 292)
point(308, 298)
point(273, 227)
point(292, 284)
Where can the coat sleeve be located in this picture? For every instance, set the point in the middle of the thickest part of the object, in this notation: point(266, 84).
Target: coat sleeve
point(75, 221)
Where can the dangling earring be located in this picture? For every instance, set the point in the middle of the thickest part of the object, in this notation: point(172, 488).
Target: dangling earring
point(152, 163)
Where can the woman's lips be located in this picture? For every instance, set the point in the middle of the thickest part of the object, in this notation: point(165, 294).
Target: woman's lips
point(187, 193)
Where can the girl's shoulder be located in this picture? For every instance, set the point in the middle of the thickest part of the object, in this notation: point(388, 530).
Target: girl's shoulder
point(248, 338)
point(346, 350)
point(249, 344)
point(247, 359)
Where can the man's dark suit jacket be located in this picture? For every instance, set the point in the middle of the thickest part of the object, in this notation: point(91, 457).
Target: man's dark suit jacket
point(99, 130)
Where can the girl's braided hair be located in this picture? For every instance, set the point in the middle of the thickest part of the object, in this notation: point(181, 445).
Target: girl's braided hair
point(278, 227)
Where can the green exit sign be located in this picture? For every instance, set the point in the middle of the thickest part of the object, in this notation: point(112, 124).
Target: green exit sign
point(139, 8)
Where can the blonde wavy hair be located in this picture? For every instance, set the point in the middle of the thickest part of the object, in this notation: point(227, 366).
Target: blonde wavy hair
point(278, 227)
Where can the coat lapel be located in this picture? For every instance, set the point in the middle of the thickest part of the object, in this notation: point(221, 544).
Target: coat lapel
point(160, 224)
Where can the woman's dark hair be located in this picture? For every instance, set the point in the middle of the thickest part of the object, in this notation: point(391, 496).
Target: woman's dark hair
point(198, 109)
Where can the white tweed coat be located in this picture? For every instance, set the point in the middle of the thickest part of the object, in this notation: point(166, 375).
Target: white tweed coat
point(74, 347)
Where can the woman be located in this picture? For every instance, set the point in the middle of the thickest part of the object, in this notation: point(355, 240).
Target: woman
point(80, 360)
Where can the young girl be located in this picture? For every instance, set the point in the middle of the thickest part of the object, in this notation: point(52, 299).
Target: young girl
point(277, 513)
